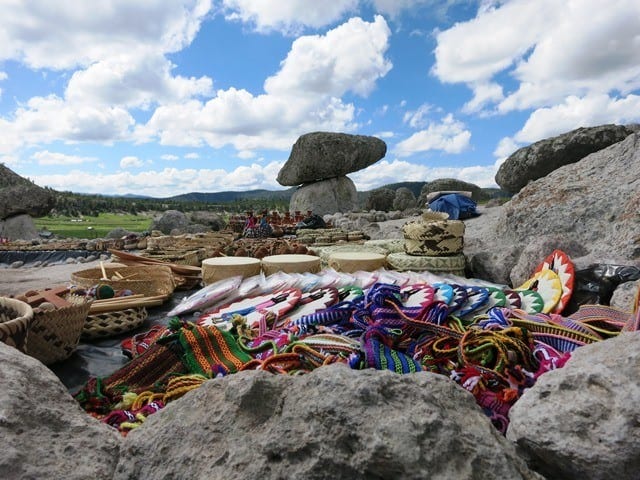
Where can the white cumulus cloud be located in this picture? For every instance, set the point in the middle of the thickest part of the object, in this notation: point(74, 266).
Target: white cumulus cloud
point(64, 35)
point(287, 16)
point(131, 162)
point(45, 157)
point(450, 136)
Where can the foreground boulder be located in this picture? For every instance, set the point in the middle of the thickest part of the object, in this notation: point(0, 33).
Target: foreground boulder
point(45, 433)
point(325, 197)
point(322, 155)
point(21, 196)
point(333, 423)
point(541, 158)
point(581, 421)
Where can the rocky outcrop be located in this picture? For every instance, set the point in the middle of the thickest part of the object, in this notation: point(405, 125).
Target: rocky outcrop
point(380, 199)
point(18, 227)
point(211, 220)
point(450, 185)
point(539, 159)
point(45, 433)
point(581, 421)
point(20, 196)
point(333, 423)
point(404, 199)
point(590, 208)
point(170, 221)
point(323, 155)
point(325, 197)
point(595, 202)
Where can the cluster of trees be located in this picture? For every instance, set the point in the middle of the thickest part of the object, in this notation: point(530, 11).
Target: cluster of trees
point(74, 204)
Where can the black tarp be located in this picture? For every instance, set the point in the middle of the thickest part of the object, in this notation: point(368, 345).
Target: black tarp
point(7, 257)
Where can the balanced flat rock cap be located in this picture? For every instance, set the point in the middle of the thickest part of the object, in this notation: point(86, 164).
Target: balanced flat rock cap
point(322, 155)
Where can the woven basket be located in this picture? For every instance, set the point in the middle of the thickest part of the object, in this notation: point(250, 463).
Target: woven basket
point(149, 280)
point(433, 236)
point(402, 262)
point(15, 318)
point(54, 333)
point(110, 324)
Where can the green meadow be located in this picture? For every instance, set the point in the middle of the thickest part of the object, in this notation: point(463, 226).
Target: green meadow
point(92, 227)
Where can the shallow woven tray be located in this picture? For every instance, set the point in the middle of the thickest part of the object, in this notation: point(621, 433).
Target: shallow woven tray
point(111, 324)
point(15, 318)
point(149, 280)
point(54, 334)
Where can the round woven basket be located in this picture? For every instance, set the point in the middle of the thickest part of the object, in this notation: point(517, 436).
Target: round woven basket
point(111, 324)
point(356, 261)
point(15, 318)
point(219, 268)
point(54, 333)
point(290, 264)
point(148, 280)
point(402, 262)
point(390, 245)
point(434, 237)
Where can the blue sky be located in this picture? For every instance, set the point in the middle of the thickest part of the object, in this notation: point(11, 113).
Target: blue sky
point(162, 97)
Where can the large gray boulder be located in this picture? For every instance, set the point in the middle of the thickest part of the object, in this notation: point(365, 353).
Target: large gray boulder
point(589, 208)
point(171, 221)
point(581, 421)
point(333, 423)
point(541, 158)
point(212, 220)
point(323, 155)
point(45, 433)
point(18, 227)
point(21, 196)
point(404, 199)
point(595, 202)
point(448, 185)
point(325, 197)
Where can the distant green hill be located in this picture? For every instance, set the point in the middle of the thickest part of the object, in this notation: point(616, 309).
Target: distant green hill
point(225, 197)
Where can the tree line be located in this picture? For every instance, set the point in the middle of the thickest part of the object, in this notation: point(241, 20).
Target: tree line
point(76, 204)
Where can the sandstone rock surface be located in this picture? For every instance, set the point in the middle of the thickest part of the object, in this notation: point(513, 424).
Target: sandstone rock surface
point(325, 197)
point(323, 155)
point(539, 159)
point(333, 423)
point(581, 421)
point(45, 433)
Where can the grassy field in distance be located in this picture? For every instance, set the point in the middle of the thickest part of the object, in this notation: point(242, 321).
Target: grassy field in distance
point(92, 227)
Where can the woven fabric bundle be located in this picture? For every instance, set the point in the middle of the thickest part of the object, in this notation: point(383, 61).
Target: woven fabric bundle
point(208, 348)
point(434, 236)
point(15, 318)
point(109, 324)
point(54, 333)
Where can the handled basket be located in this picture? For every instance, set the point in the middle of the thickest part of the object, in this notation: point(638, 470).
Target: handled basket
point(15, 318)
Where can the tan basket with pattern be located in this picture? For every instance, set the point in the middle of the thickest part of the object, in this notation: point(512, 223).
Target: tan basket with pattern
point(55, 332)
point(111, 324)
point(15, 319)
point(434, 236)
point(402, 262)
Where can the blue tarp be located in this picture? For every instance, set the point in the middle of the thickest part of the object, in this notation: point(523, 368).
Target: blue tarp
point(456, 205)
